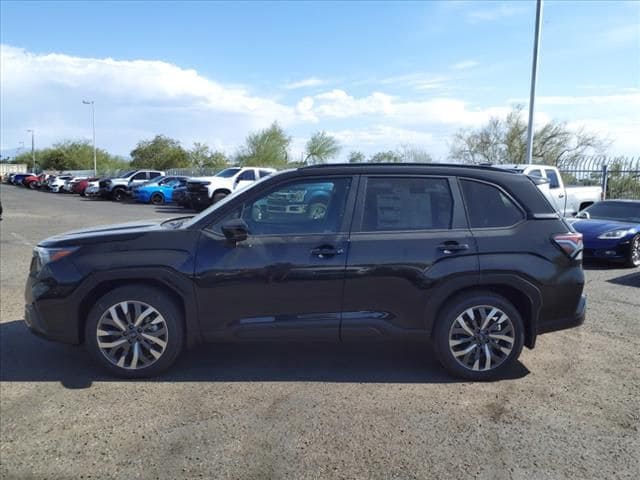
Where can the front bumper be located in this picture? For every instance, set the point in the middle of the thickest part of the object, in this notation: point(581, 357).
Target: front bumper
point(142, 197)
point(54, 319)
point(617, 251)
point(565, 323)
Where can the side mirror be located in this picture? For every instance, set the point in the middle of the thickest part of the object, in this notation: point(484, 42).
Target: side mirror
point(583, 214)
point(236, 230)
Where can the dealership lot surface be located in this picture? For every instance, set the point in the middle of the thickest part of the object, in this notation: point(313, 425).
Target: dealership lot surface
point(570, 409)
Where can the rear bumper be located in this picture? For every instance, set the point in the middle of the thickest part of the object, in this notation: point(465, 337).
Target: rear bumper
point(199, 199)
point(572, 321)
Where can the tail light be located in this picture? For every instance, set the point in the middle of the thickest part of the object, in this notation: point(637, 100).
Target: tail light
point(570, 243)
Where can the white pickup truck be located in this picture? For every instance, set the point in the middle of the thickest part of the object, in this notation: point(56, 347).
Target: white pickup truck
point(567, 200)
point(203, 191)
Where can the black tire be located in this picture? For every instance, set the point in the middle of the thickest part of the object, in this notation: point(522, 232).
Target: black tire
point(152, 297)
point(157, 198)
point(633, 257)
point(118, 194)
point(82, 194)
point(32, 185)
point(218, 196)
point(445, 326)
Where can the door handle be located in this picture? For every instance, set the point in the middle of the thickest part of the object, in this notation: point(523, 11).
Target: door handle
point(326, 251)
point(450, 247)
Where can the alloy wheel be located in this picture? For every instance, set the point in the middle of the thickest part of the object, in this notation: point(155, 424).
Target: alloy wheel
point(317, 211)
point(481, 338)
point(635, 251)
point(132, 335)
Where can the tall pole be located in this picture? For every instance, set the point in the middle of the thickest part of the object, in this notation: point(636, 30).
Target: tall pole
point(33, 149)
point(534, 73)
point(93, 124)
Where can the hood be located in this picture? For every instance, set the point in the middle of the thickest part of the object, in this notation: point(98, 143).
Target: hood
point(122, 231)
point(593, 227)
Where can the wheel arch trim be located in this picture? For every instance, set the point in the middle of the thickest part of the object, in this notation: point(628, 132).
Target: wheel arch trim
point(513, 287)
point(174, 284)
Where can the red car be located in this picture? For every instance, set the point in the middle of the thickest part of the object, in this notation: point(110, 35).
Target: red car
point(81, 186)
point(32, 181)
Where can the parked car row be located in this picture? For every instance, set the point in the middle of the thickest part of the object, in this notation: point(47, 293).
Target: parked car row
point(148, 186)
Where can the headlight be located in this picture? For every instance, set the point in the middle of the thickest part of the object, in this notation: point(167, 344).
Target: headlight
point(48, 255)
point(614, 235)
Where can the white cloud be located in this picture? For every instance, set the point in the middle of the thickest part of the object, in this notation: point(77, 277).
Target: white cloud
point(418, 81)
point(502, 10)
point(135, 97)
point(339, 104)
point(465, 64)
point(305, 83)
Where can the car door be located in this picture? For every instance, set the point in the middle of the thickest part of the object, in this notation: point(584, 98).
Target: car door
point(286, 279)
point(244, 178)
point(139, 178)
point(409, 236)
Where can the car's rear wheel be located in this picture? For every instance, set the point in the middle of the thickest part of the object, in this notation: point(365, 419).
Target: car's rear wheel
point(479, 336)
point(633, 257)
point(135, 331)
point(157, 198)
point(118, 194)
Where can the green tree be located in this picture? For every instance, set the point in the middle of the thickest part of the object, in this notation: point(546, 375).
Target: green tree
point(201, 156)
point(356, 157)
point(161, 152)
point(505, 141)
point(266, 148)
point(390, 156)
point(321, 147)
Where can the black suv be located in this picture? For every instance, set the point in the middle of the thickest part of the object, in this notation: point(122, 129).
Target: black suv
point(472, 259)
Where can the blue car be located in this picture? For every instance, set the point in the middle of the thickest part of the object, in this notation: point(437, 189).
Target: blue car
point(159, 192)
point(611, 231)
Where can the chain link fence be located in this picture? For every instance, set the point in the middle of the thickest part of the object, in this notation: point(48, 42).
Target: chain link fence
point(619, 177)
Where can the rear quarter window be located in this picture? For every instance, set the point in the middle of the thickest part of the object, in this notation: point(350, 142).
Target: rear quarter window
point(488, 207)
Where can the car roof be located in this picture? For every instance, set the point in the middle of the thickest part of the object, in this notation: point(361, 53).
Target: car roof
point(431, 168)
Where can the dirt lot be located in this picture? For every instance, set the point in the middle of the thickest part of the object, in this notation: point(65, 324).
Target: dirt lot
point(570, 409)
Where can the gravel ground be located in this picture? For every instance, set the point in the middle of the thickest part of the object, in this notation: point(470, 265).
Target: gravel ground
point(570, 409)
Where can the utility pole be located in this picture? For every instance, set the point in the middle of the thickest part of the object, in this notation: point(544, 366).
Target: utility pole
point(534, 73)
point(33, 149)
point(93, 123)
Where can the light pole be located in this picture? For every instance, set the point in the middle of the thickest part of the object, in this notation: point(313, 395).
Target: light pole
point(33, 148)
point(93, 123)
point(534, 74)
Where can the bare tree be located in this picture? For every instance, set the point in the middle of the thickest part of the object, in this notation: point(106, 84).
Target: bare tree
point(504, 141)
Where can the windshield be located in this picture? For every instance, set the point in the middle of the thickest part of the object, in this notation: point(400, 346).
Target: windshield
point(226, 200)
point(618, 211)
point(126, 174)
point(227, 172)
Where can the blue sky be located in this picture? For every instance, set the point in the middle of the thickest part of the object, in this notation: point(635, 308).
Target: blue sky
point(376, 75)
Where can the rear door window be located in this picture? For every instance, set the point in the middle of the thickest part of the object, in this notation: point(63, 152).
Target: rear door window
point(489, 207)
point(407, 203)
point(247, 175)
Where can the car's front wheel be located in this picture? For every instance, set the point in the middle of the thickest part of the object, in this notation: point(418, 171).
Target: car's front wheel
point(119, 194)
point(479, 336)
point(633, 257)
point(135, 331)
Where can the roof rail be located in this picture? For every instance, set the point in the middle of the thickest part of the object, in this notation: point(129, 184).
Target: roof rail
point(403, 164)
